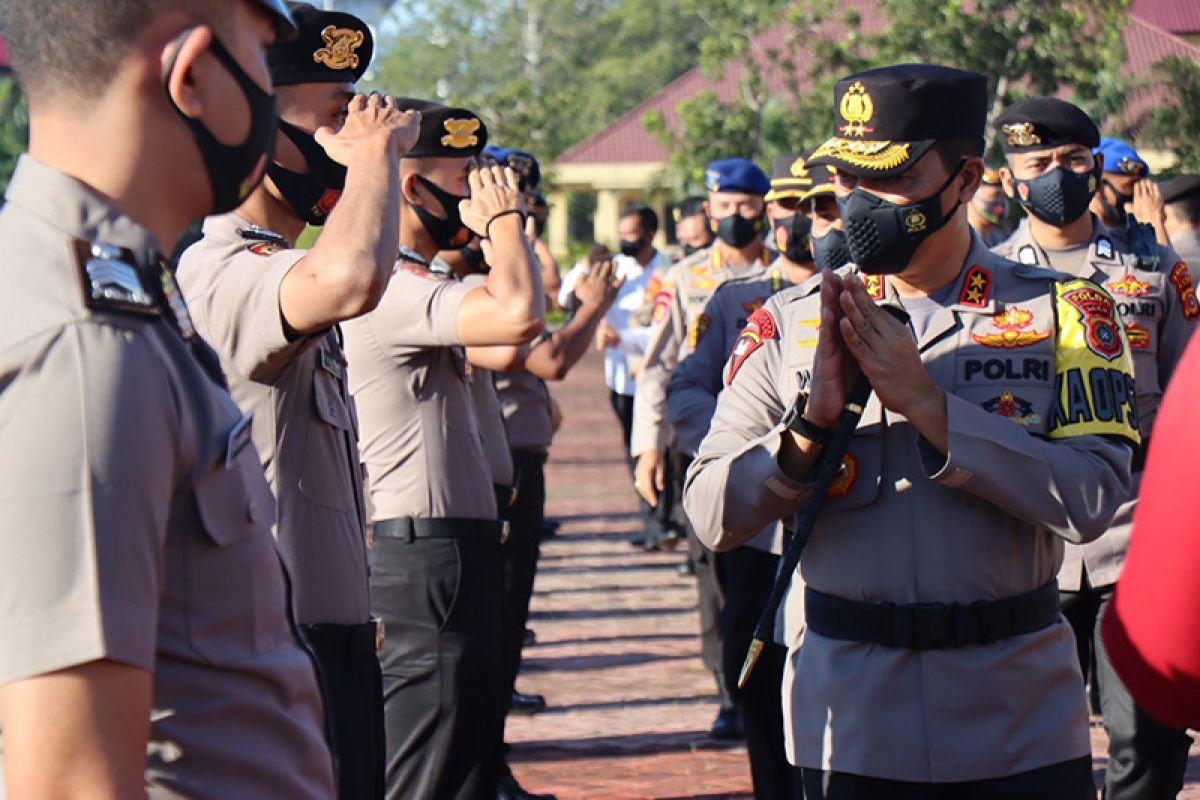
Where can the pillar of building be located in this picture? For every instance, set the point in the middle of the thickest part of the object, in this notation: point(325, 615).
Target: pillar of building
point(558, 225)
point(608, 209)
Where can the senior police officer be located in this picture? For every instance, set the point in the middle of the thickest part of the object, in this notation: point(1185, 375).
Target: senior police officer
point(271, 311)
point(145, 641)
point(746, 572)
point(1052, 172)
point(435, 571)
point(736, 207)
point(1002, 422)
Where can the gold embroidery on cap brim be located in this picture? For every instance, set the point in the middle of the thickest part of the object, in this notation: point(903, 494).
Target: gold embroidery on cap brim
point(867, 155)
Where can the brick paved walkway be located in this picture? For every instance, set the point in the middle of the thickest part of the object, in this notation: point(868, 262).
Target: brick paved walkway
point(618, 653)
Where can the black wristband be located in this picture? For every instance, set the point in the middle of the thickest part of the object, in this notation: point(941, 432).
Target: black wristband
point(795, 422)
point(487, 229)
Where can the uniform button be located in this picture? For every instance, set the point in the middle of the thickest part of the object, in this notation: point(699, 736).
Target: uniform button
point(332, 408)
point(252, 511)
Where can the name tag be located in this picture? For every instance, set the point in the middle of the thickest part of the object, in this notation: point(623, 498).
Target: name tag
point(239, 439)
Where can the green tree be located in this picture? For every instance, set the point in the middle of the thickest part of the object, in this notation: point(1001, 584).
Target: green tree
point(1023, 46)
point(1175, 125)
point(14, 127)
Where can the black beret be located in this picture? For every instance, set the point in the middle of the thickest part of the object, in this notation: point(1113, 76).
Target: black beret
point(329, 47)
point(446, 132)
point(1183, 187)
point(888, 118)
point(688, 207)
point(1040, 123)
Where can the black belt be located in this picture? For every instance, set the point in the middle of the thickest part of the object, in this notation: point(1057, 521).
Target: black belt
point(413, 528)
point(348, 640)
point(931, 626)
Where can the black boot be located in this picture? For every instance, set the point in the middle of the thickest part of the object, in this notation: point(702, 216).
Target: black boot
point(728, 724)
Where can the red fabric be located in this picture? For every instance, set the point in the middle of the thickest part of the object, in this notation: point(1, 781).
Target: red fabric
point(1152, 630)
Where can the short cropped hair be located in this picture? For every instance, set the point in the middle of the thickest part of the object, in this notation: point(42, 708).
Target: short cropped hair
point(1187, 208)
point(72, 48)
point(645, 215)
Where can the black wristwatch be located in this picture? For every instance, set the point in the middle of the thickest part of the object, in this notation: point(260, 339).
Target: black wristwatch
point(796, 423)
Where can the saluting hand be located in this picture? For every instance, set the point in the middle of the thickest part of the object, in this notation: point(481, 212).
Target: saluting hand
point(369, 122)
point(885, 349)
point(599, 286)
point(1148, 205)
point(494, 190)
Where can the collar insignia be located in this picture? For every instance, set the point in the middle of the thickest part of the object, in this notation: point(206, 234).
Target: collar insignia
point(856, 108)
point(977, 288)
point(1020, 134)
point(257, 234)
point(340, 44)
point(1027, 255)
point(460, 133)
point(1104, 247)
point(175, 301)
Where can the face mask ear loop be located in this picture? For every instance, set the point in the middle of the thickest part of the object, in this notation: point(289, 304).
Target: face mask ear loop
point(169, 68)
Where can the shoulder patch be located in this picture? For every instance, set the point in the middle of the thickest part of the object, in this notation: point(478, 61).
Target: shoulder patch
point(977, 288)
point(265, 248)
point(760, 327)
point(1095, 392)
point(111, 281)
point(697, 329)
point(1181, 279)
point(662, 302)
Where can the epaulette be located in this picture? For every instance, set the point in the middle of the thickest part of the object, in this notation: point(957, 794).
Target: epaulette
point(111, 281)
point(1036, 272)
point(263, 242)
point(799, 291)
point(702, 256)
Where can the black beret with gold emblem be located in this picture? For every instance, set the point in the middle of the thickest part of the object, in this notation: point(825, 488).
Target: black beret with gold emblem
point(790, 177)
point(885, 119)
point(1040, 123)
point(329, 47)
point(446, 132)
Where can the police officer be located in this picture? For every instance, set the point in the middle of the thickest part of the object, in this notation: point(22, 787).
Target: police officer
point(271, 311)
point(988, 209)
point(692, 228)
point(1182, 198)
point(1127, 194)
point(435, 569)
point(735, 207)
point(746, 572)
point(1052, 172)
point(1002, 421)
point(145, 641)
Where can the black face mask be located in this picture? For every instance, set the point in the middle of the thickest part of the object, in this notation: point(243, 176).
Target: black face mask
point(798, 249)
point(831, 251)
point(1115, 212)
point(690, 250)
point(631, 248)
point(312, 194)
point(448, 232)
point(539, 226)
point(474, 258)
point(883, 236)
point(1060, 196)
point(234, 171)
point(738, 231)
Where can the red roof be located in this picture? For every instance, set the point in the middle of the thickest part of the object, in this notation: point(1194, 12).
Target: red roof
point(627, 141)
point(5, 66)
point(1173, 16)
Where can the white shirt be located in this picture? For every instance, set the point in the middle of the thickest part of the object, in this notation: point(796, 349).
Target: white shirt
point(633, 339)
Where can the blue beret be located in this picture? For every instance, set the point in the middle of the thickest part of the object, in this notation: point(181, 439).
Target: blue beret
point(1121, 158)
point(523, 163)
point(736, 175)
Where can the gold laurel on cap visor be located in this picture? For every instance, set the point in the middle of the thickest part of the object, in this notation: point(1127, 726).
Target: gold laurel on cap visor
point(817, 191)
point(783, 188)
point(864, 158)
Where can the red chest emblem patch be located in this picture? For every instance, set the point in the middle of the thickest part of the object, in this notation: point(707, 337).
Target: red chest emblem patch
point(760, 327)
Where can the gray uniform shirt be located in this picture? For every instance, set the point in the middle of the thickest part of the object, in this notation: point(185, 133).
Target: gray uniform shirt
point(489, 413)
point(304, 424)
point(1187, 245)
point(526, 402)
point(1159, 309)
point(1031, 462)
point(681, 298)
point(420, 438)
point(135, 521)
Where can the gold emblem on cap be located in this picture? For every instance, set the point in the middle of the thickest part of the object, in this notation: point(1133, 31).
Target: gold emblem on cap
point(460, 133)
point(340, 44)
point(915, 222)
point(1020, 134)
point(799, 169)
point(1130, 167)
point(856, 108)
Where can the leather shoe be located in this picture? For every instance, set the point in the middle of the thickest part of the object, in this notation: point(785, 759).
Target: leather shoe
point(728, 725)
point(527, 703)
point(686, 570)
point(509, 789)
point(529, 638)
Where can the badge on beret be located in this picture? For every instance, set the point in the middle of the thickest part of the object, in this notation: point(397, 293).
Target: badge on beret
point(1020, 134)
point(856, 109)
point(1130, 167)
point(460, 133)
point(340, 44)
point(799, 168)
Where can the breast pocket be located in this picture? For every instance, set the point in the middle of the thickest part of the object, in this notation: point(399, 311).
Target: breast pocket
point(325, 478)
point(235, 595)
